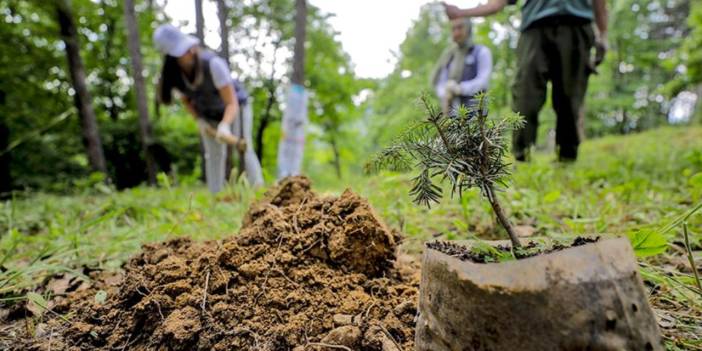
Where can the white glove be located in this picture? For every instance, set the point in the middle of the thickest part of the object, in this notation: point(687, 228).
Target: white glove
point(601, 47)
point(453, 88)
point(224, 129)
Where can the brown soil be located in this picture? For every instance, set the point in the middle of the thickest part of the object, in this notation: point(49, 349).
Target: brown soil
point(304, 273)
point(531, 249)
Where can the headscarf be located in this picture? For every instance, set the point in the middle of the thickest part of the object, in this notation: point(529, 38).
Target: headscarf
point(457, 54)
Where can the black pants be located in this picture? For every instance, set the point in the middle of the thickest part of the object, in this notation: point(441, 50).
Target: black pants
point(558, 52)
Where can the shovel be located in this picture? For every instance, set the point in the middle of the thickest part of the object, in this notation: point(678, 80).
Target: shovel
point(239, 143)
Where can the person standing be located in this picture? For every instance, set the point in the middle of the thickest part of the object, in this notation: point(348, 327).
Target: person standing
point(464, 69)
point(555, 45)
point(211, 96)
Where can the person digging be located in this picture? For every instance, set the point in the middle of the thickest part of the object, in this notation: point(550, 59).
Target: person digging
point(212, 97)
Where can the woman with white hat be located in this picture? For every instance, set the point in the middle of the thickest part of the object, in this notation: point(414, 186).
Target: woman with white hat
point(211, 95)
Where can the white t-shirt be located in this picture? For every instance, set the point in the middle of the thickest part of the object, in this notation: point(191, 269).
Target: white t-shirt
point(221, 76)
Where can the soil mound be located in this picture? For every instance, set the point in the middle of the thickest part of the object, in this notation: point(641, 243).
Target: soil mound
point(304, 273)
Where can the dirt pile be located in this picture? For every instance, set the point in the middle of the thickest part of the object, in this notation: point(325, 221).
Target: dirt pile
point(304, 273)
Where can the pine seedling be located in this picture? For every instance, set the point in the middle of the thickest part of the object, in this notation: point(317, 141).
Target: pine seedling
point(467, 150)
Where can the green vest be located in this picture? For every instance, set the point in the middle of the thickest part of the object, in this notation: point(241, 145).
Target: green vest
point(534, 10)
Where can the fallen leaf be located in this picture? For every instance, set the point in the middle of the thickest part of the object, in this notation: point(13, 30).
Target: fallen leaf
point(59, 286)
point(36, 304)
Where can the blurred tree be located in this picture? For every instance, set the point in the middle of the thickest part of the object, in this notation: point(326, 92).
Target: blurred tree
point(298, 75)
point(687, 62)
point(200, 34)
point(628, 93)
point(270, 28)
point(33, 53)
point(82, 98)
point(35, 88)
point(5, 161)
point(140, 88)
point(223, 15)
point(295, 120)
point(391, 107)
point(266, 117)
point(333, 86)
point(199, 21)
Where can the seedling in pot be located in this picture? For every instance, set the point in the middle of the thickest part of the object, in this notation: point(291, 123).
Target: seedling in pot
point(496, 306)
point(467, 150)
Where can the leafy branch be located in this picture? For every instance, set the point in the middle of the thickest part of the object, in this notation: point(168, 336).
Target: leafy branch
point(466, 151)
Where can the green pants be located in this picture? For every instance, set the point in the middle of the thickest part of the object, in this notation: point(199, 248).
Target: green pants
point(560, 53)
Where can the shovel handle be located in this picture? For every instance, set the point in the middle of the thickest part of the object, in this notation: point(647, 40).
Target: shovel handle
point(227, 139)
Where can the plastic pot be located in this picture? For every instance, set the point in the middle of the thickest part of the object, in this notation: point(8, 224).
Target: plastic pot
point(589, 297)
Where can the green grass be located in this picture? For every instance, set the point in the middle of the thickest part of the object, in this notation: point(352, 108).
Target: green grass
point(47, 234)
point(619, 186)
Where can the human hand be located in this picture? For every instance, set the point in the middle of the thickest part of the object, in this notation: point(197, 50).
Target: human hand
point(601, 47)
point(452, 11)
point(224, 130)
point(453, 88)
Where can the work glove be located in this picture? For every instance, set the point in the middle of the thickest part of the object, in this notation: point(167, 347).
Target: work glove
point(453, 88)
point(224, 130)
point(601, 47)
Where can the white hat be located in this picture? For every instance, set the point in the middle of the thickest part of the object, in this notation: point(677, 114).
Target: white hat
point(170, 40)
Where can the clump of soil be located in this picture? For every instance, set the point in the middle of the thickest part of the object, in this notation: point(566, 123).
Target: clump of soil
point(499, 252)
point(305, 272)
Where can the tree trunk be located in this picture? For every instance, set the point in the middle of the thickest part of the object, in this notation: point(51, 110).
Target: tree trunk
point(223, 14)
point(5, 157)
point(497, 208)
point(266, 117)
point(337, 156)
point(292, 143)
point(623, 129)
point(265, 120)
point(697, 111)
point(82, 98)
point(620, 83)
point(200, 34)
point(298, 76)
point(203, 169)
point(109, 77)
point(140, 88)
point(228, 164)
point(199, 22)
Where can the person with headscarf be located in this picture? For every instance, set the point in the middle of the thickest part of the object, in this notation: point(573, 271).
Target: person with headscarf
point(463, 71)
point(211, 96)
point(555, 45)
